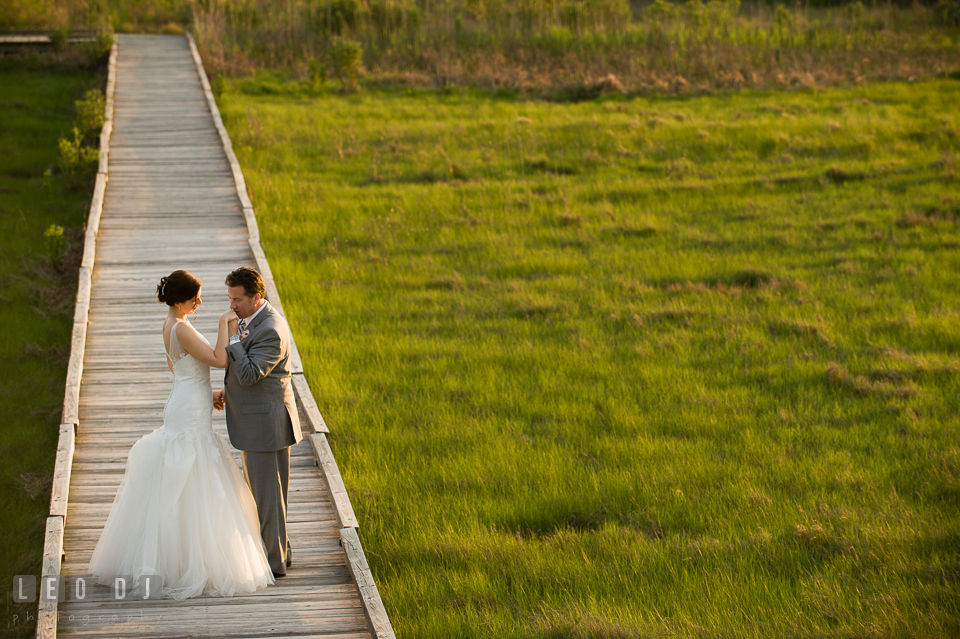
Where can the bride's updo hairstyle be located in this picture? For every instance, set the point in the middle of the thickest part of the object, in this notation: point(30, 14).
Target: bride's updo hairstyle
point(177, 288)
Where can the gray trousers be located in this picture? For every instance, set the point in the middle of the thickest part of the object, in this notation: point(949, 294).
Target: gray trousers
point(268, 475)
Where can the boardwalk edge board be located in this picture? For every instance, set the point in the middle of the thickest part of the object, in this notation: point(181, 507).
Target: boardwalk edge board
point(59, 492)
point(52, 556)
point(372, 604)
point(61, 474)
point(373, 608)
point(338, 492)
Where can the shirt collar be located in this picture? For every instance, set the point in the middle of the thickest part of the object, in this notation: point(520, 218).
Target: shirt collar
point(257, 312)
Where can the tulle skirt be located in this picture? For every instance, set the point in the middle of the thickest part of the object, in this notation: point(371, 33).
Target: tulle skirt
point(183, 511)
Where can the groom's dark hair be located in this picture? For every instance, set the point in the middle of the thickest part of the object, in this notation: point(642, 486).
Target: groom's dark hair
point(249, 279)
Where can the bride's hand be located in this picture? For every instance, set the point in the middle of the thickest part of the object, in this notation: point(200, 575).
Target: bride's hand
point(231, 319)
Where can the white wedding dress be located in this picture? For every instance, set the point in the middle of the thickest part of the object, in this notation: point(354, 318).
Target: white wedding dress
point(183, 510)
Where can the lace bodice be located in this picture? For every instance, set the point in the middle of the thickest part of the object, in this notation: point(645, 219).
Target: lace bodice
point(192, 367)
point(191, 401)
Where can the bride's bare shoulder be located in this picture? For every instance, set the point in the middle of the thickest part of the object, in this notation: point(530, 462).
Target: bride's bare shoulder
point(189, 337)
point(185, 328)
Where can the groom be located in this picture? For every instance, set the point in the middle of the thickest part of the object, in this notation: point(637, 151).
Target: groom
point(261, 410)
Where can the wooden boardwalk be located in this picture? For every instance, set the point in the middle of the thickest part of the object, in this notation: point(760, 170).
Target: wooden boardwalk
point(172, 201)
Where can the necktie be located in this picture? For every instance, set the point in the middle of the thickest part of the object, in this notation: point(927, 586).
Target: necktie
point(242, 326)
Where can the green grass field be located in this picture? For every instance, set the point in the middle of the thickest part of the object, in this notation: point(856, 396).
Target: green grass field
point(36, 305)
point(630, 368)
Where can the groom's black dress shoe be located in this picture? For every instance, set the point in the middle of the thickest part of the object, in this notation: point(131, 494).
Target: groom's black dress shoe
point(277, 575)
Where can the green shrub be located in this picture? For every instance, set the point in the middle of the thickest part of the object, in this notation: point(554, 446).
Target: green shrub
point(317, 71)
point(58, 38)
point(346, 59)
point(104, 42)
point(91, 110)
point(74, 156)
point(55, 244)
point(70, 151)
point(217, 86)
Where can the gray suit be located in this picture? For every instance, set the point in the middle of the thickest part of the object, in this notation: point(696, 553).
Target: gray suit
point(263, 423)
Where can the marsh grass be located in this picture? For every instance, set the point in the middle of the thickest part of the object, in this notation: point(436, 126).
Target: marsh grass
point(566, 49)
point(580, 50)
point(38, 279)
point(619, 379)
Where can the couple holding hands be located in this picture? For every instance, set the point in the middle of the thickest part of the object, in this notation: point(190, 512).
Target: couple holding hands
point(183, 510)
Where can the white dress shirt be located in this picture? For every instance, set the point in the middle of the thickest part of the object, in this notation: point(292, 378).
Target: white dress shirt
point(235, 338)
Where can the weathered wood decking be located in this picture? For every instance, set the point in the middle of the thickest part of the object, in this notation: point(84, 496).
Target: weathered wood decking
point(172, 200)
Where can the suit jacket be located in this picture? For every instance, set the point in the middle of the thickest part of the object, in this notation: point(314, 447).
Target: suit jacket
point(261, 407)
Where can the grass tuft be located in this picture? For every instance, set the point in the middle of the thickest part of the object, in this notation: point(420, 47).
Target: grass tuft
point(646, 230)
point(839, 175)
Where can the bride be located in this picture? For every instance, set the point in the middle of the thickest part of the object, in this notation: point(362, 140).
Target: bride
point(183, 510)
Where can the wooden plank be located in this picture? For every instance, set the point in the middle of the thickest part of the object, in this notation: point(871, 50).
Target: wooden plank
point(52, 547)
point(308, 405)
point(337, 596)
point(111, 79)
point(71, 396)
point(83, 295)
point(93, 221)
point(337, 604)
point(46, 624)
point(96, 204)
point(52, 557)
point(61, 471)
point(331, 473)
point(287, 590)
point(253, 230)
point(372, 605)
point(331, 551)
point(105, 144)
point(121, 621)
point(78, 341)
point(107, 129)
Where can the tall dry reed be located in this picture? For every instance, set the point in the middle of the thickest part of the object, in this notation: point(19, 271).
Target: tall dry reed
point(562, 46)
point(574, 47)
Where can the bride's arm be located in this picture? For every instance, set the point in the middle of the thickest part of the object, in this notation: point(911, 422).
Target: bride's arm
point(228, 327)
point(215, 356)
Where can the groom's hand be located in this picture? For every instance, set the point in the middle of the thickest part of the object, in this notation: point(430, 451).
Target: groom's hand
point(219, 399)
